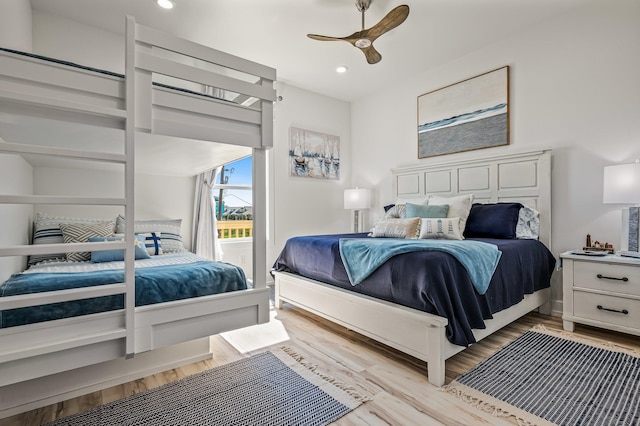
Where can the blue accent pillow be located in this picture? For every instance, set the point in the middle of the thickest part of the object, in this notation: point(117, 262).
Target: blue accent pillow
point(116, 255)
point(426, 211)
point(496, 220)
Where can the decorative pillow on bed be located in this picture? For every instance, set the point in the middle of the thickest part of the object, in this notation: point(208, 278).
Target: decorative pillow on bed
point(167, 229)
point(115, 255)
point(420, 210)
point(80, 233)
point(493, 220)
point(152, 242)
point(397, 228)
point(423, 201)
point(528, 226)
point(441, 228)
point(46, 230)
point(397, 211)
point(458, 207)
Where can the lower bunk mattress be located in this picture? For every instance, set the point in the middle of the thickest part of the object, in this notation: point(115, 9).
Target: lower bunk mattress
point(160, 279)
point(430, 280)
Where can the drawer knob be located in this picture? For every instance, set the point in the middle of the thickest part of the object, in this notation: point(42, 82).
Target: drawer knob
point(604, 277)
point(602, 308)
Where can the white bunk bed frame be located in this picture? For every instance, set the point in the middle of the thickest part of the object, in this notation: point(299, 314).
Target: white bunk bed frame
point(523, 177)
point(40, 88)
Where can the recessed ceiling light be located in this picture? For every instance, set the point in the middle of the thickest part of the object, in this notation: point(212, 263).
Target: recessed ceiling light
point(166, 4)
point(342, 69)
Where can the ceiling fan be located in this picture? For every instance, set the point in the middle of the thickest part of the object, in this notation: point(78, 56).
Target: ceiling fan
point(364, 39)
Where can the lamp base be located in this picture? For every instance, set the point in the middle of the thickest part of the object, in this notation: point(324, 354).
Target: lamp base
point(630, 231)
point(356, 221)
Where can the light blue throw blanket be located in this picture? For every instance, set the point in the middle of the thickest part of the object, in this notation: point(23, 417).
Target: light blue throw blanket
point(362, 256)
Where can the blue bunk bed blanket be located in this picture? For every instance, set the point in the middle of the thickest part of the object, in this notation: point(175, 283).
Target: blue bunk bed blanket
point(175, 277)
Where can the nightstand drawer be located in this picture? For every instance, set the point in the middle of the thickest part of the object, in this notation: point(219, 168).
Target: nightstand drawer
point(606, 276)
point(608, 309)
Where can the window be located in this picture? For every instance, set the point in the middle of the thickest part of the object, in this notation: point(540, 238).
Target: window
point(233, 197)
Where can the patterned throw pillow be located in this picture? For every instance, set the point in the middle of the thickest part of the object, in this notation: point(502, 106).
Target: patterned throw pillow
point(167, 229)
point(528, 226)
point(80, 233)
point(459, 206)
point(397, 228)
point(398, 211)
point(46, 230)
point(441, 228)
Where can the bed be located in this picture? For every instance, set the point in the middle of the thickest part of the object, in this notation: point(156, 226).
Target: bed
point(176, 98)
point(436, 310)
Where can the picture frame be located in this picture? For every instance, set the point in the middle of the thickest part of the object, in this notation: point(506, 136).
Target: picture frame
point(468, 115)
point(313, 154)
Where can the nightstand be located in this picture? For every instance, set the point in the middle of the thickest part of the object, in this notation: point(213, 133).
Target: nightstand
point(602, 291)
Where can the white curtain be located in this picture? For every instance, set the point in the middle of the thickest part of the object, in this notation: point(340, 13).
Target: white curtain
point(205, 232)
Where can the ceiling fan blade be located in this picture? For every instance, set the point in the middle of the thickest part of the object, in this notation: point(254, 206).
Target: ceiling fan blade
point(372, 55)
point(324, 38)
point(394, 18)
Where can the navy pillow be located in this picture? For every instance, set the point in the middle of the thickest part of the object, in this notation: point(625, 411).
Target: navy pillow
point(497, 220)
point(387, 207)
point(116, 255)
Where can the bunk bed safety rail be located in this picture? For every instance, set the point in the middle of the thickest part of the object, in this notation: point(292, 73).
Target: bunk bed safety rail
point(244, 91)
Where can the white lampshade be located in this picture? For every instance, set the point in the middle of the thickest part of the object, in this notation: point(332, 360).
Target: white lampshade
point(621, 184)
point(358, 198)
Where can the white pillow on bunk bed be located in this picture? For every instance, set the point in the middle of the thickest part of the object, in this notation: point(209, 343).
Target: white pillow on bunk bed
point(168, 229)
point(152, 242)
point(80, 233)
point(46, 230)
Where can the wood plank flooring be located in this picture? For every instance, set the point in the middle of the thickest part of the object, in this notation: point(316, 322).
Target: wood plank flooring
point(397, 383)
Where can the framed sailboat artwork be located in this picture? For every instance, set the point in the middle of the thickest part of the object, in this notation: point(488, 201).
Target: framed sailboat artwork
point(313, 154)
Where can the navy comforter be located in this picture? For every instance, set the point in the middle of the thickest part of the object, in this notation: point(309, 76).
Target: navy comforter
point(153, 285)
point(430, 281)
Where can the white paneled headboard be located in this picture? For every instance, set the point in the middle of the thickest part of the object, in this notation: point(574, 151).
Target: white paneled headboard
point(523, 177)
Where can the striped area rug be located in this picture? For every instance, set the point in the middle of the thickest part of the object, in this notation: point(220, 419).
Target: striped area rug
point(547, 378)
point(278, 387)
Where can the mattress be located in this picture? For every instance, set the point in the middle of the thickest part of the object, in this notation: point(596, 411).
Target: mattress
point(430, 281)
point(159, 279)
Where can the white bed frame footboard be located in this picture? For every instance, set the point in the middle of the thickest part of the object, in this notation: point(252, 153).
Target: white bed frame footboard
point(522, 177)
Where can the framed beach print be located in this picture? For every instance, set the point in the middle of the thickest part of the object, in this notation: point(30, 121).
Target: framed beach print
point(313, 154)
point(468, 115)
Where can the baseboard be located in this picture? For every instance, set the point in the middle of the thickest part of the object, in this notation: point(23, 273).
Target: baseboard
point(32, 394)
point(556, 308)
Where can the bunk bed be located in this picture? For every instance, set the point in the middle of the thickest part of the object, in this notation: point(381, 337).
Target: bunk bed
point(141, 105)
point(424, 314)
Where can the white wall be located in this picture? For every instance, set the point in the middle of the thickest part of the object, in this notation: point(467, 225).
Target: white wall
point(157, 197)
point(574, 87)
point(15, 25)
point(306, 206)
point(16, 178)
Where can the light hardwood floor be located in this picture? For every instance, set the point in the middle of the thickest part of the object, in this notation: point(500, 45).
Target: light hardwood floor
point(397, 383)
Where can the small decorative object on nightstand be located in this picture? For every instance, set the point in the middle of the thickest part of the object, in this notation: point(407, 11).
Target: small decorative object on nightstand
point(602, 291)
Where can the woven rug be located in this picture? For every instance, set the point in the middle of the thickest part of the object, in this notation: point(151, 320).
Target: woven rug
point(278, 387)
point(549, 378)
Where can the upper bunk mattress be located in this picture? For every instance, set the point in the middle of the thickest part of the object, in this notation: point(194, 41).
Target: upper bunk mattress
point(430, 281)
point(164, 278)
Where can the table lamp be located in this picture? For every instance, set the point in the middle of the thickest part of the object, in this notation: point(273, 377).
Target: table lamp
point(357, 199)
point(622, 186)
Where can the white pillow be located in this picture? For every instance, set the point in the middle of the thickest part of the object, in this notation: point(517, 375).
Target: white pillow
point(528, 226)
point(445, 229)
point(423, 201)
point(459, 206)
